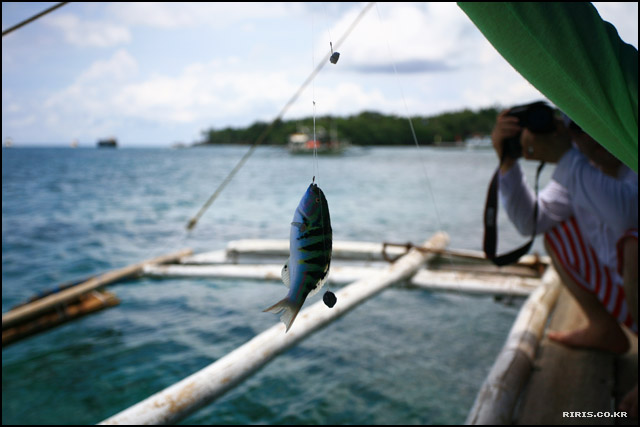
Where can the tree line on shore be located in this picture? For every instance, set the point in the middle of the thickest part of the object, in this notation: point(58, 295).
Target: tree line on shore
point(367, 128)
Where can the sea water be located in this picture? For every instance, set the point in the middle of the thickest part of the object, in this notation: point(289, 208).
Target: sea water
point(407, 356)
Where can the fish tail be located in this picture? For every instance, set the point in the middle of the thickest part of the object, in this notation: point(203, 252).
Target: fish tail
point(289, 311)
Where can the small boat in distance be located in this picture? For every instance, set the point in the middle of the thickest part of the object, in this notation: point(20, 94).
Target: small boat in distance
point(107, 143)
point(479, 142)
point(303, 143)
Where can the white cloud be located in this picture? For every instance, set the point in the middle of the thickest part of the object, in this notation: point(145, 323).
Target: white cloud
point(343, 98)
point(122, 65)
point(85, 108)
point(202, 91)
point(215, 92)
point(86, 33)
point(407, 32)
point(171, 15)
point(92, 90)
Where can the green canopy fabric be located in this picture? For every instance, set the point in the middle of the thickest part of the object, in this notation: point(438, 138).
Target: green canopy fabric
point(576, 59)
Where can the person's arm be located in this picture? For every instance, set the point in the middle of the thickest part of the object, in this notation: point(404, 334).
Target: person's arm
point(519, 201)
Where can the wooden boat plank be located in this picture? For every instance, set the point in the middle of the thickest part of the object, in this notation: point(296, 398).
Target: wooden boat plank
point(626, 375)
point(87, 304)
point(568, 380)
point(499, 393)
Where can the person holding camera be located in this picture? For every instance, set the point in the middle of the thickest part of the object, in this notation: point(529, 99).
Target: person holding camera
point(588, 213)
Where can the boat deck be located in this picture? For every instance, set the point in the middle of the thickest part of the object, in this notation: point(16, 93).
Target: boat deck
point(570, 380)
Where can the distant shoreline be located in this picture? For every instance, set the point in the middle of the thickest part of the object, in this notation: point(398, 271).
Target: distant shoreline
point(367, 129)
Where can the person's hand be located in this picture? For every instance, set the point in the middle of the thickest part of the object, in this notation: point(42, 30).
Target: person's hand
point(505, 127)
point(546, 147)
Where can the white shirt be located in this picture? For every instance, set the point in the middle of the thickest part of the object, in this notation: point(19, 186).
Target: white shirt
point(604, 207)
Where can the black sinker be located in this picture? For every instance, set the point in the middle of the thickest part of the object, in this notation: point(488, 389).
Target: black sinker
point(329, 299)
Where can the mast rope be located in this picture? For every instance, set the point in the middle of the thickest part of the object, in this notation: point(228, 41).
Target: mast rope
point(33, 18)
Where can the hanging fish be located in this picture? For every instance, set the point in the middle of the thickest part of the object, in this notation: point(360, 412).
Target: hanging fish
point(310, 243)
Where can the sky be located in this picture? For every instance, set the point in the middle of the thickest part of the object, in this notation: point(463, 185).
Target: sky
point(156, 74)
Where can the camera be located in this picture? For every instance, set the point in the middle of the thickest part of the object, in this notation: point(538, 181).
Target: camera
point(538, 117)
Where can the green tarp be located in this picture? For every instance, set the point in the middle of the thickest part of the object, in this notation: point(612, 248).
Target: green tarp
point(576, 59)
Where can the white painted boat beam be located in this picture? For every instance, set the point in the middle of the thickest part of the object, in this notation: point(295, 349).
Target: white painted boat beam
point(347, 250)
point(453, 281)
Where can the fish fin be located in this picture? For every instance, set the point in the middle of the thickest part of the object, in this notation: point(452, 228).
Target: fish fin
point(286, 276)
point(320, 284)
point(302, 227)
point(290, 311)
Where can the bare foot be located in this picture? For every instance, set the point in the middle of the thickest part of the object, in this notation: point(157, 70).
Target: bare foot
point(630, 403)
point(611, 339)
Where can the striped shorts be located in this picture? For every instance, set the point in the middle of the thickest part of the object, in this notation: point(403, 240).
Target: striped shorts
point(582, 264)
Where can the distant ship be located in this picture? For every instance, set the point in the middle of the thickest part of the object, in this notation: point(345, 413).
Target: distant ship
point(302, 143)
point(107, 143)
point(479, 141)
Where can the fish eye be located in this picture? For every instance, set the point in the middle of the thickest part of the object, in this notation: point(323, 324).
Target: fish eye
point(317, 200)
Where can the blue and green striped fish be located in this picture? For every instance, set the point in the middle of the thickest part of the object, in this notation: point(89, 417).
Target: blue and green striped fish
point(307, 268)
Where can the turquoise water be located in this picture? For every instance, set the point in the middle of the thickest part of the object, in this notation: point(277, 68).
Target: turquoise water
point(405, 357)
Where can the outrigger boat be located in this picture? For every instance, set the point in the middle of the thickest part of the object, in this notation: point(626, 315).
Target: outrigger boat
point(303, 143)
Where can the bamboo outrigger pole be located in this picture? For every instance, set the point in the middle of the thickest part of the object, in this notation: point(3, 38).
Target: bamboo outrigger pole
point(33, 309)
point(203, 387)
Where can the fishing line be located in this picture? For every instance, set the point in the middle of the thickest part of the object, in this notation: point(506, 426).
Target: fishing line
point(413, 132)
point(316, 167)
point(329, 298)
point(193, 221)
point(326, 19)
